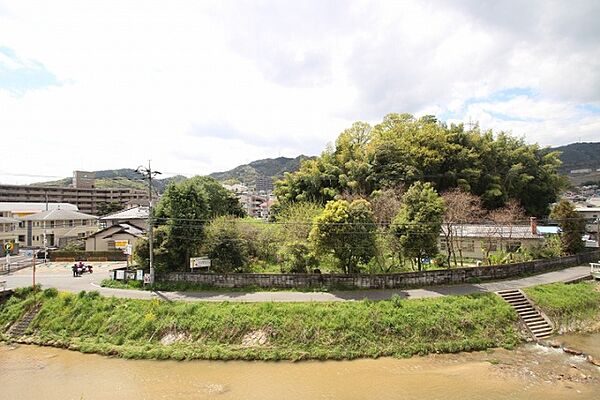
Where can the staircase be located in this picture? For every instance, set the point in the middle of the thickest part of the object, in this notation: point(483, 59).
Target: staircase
point(19, 327)
point(537, 323)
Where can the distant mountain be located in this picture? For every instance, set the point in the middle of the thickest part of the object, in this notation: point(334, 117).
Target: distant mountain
point(579, 156)
point(119, 178)
point(247, 174)
point(273, 168)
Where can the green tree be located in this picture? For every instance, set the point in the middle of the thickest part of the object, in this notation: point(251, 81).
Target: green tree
point(347, 231)
point(572, 226)
point(220, 200)
point(225, 246)
point(402, 150)
point(418, 223)
point(105, 208)
point(184, 209)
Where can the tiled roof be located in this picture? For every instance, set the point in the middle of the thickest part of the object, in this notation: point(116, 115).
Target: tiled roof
point(58, 215)
point(498, 231)
point(131, 213)
point(35, 207)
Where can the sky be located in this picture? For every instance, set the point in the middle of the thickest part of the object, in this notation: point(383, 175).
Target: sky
point(203, 86)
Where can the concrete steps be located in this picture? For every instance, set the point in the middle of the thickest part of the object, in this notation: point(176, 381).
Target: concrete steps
point(18, 328)
point(538, 325)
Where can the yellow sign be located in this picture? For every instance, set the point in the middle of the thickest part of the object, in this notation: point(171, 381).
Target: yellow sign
point(8, 247)
point(121, 244)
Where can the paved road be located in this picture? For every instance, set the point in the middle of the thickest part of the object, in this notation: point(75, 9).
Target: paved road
point(60, 277)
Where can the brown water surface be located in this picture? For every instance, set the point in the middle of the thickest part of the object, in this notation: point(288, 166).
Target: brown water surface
point(530, 372)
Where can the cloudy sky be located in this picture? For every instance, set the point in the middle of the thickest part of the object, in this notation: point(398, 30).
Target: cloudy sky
point(203, 86)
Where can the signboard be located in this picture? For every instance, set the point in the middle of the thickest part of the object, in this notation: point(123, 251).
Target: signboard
point(128, 249)
point(121, 244)
point(146, 278)
point(139, 275)
point(8, 247)
point(199, 262)
point(120, 276)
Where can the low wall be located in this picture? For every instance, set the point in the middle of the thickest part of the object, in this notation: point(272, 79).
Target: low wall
point(381, 281)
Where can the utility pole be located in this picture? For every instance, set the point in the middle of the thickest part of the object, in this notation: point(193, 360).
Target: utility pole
point(45, 239)
point(148, 174)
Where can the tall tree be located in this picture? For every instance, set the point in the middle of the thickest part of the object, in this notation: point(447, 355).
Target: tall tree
point(572, 226)
point(347, 231)
point(184, 209)
point(418, 223)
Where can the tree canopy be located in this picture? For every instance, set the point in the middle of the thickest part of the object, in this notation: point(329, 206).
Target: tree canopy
point(402, 150)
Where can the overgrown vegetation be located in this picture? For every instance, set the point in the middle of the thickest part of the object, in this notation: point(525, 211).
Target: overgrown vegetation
point(342, 330)
point(571, 307)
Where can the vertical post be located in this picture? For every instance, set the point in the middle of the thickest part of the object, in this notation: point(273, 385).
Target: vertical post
point(150, 225)
point(45, 239)
point(33, 261)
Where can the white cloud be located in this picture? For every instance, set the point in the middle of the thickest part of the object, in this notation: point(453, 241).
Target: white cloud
point(263, 79)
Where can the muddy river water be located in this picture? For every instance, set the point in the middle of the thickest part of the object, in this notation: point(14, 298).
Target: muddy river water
point(529, 372)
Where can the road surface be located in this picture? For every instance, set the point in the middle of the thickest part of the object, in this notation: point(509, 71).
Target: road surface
point(59, 276)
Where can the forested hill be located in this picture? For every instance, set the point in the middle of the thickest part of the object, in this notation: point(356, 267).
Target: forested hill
point(118, 178)
point(269, 167)
point(579, 156)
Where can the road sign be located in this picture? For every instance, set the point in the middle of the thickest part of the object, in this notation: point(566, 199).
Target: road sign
point(121, 244)
point(8, 247)
point(199, 262)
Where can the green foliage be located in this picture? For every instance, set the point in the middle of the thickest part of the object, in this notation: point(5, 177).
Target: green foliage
point(418, 223)
point(572, 225)
point(568, 305)
point(339, 330)
point(262, 239)
point(296, 219)
point(298, 257)
point(271, 167)
point(225, 246)
point(402, 150)
point(347, 231)
point(105, 208)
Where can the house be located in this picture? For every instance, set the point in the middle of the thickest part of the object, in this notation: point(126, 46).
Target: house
point(22, 209)
point(114, 237)
point(474, 241)
point(55, 228)
point(137, 216)
point(8, 234)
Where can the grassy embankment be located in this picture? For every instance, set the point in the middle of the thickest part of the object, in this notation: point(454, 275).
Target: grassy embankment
point(267, 331)
point(574, 307)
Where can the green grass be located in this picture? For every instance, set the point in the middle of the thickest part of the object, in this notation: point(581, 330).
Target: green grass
point(568, 304)
point(199, 287)
point(130, 328)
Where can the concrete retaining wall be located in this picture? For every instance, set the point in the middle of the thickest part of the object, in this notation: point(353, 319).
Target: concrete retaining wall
point(381, 281)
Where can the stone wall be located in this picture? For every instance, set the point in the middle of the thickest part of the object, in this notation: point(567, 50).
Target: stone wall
point(381, 281)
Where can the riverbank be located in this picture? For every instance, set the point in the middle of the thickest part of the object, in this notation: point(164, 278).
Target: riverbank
point(129, 328)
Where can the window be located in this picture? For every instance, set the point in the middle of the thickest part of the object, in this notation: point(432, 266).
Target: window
point(51, 224)
point(71, 223)
point(468, 245)
point(21, 238)
point(84, 222)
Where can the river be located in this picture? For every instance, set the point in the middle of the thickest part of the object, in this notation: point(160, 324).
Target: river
point(529, 372)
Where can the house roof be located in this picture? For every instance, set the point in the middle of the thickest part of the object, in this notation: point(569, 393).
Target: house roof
point(548, 230)
point(131, 213)
point(496, 231)
point(58, 215)
point(119, 228)
point(35, 207)
point(4, 220)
